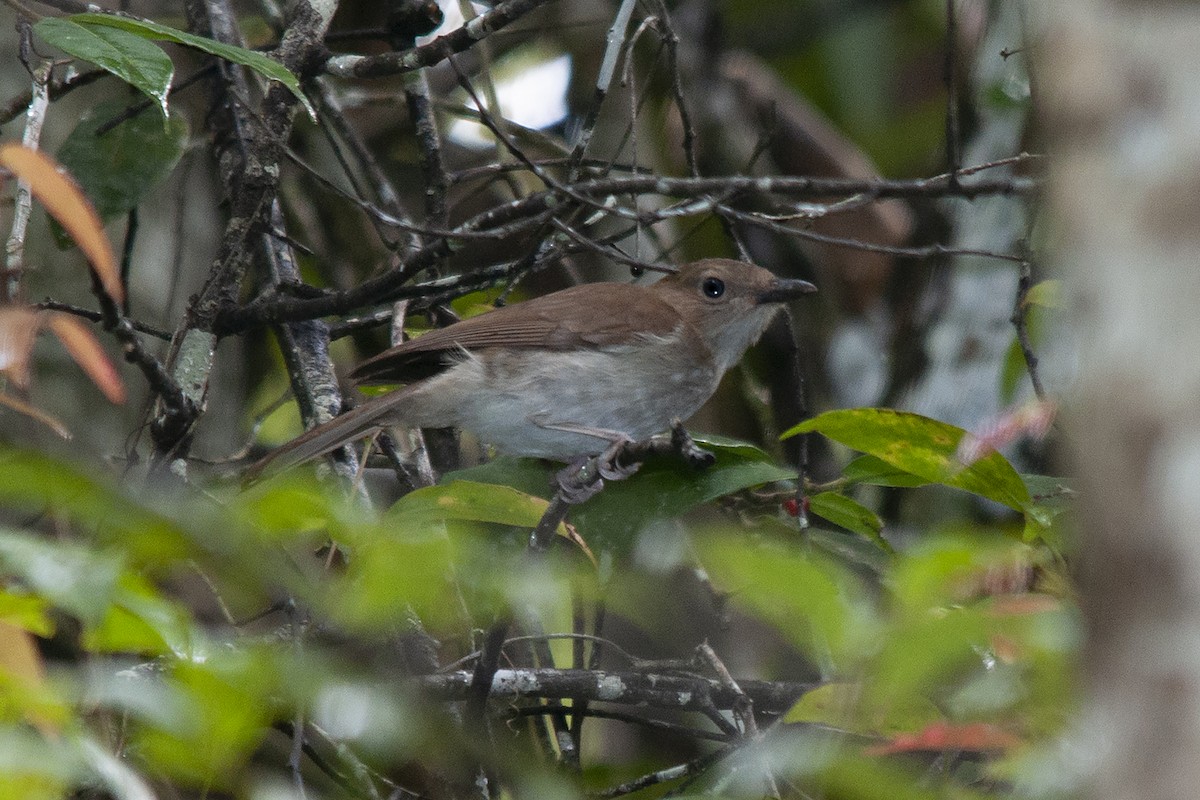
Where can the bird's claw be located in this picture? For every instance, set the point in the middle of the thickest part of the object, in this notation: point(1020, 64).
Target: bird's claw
point(577, 483)
point(695, 455)
point(609, 464)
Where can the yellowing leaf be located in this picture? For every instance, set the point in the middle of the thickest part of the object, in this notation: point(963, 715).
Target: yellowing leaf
point(63, 200)
point(923, 447)
point(23, 672)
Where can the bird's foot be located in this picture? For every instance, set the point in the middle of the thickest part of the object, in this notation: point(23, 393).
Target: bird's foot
point(579, 481)
point(683, 443)
point(609, 462)
point(585, 476)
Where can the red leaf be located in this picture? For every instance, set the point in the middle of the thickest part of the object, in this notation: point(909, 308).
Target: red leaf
point(940, 736)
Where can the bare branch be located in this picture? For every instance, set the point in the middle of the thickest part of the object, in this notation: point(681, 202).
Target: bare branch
point(458, 40)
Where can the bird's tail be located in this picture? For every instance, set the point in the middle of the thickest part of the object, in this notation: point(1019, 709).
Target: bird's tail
point(343, 429)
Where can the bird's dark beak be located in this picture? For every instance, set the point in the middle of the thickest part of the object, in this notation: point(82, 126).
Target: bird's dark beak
point(784, 290)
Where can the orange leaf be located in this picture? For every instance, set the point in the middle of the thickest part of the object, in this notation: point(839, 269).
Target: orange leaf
point(21, 663)
point(18, 329)
point(974, 737)
point(77, 338)
point(64, 200)
point(22, 407)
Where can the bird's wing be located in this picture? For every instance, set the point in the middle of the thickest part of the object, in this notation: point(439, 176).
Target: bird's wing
point(579, 317)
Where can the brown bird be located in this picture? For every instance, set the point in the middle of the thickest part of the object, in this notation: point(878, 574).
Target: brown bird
point(569, 374)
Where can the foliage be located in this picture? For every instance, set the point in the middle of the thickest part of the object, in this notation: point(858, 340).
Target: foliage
point(183, 638)
point(943, 633)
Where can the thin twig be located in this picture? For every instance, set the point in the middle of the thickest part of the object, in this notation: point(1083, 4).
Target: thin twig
point(949, 77)
point(645, 722)
point(458, 40)
point(96, 316)
point(1020, 320)
point(35, 116)
point(691, 768)
point(614, 45)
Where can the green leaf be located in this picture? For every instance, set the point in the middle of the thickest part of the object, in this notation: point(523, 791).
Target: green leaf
point(922, 446)
point(74, 578)
point(472, 501)
point(37, 482)
point(877, 472)
point(118, 168)
point(1014, 369)
point(662, 488)
point(810, 600)
point(227, 700)
point(1051, 498)
point(841, 705)
point(258, 62)
point(853, 516)
point(1047, 294)
point(27, 611)
point(395, 570)
point(126, 55)
point(927, 655)
point(949, 569)
point(1011, 371)
point(141, 620)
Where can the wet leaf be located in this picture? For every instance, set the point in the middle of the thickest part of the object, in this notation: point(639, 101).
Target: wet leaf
point(263, 65)
point(128, 56)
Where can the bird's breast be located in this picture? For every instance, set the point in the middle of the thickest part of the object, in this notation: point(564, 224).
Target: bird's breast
point(535, 402)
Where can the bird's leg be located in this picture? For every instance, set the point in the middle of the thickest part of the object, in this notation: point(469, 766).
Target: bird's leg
point(607, 462)
point(696, 456)
point(579, 480)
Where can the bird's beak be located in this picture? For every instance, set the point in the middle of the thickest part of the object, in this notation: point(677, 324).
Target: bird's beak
point(784, 290)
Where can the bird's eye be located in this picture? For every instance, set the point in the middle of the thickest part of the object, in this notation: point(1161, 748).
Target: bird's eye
point(713, 287)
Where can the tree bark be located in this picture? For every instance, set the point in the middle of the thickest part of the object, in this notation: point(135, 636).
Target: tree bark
point(1118, 95)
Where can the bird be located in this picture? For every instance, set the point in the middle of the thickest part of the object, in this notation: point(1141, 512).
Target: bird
point(570, 374)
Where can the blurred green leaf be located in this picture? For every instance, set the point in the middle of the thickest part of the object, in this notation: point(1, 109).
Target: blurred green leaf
point(263, 65)
point(472, 501)
point(33, 767)
point(27, 611)
point(35, 482)
point(841, 705)
point(813, 602)
point(1047, 294)
point(921, 446)
point(1052, 498)
point(834, 768)
point(407, 566)
point(130, 57)
point(141, 620)
point(1014, 369)
point(952, 568)
point(72, 577)
point(926, 655)
point(117, 168)
point(297, 507)
point(226, 700)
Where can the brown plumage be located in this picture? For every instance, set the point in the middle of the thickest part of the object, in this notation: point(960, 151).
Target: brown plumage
point(569, 373)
